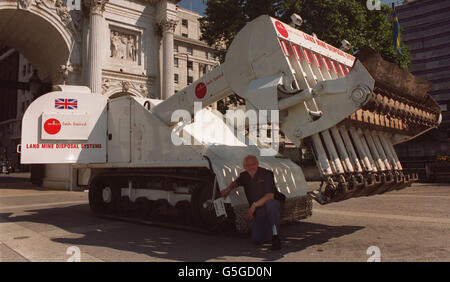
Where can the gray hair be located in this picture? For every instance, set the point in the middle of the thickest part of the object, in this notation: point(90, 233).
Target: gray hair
point(250, 157)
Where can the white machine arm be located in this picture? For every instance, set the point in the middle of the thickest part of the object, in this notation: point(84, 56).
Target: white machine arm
point(270, 65)
point(210, 88)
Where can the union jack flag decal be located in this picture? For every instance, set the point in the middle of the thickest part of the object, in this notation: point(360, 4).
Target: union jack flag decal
point(66, 104)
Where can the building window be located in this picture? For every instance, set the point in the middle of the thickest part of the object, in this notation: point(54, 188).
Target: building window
point(212, 56)
point(176, 78)
point(190, 80)
point(206, 54)
point(190, 65)
point(184, 22)
point(190, 51)
point(184, 35)
point(175, 62)
point(175, 47)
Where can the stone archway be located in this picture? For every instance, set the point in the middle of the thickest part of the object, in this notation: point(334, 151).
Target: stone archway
point(42, 31)
point(120, 94)
point(46, 34)
point(114, 89)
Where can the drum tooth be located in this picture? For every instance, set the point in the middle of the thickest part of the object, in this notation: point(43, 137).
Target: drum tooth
point(332, 153)
point(356, 162)
point(343, 154)
point(373, 150)
point(321, 156)
point(361, 151)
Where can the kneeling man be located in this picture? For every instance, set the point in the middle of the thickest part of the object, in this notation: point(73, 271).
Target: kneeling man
point(265, 210)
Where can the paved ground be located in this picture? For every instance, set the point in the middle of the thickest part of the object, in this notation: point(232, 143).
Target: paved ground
point(408, 225)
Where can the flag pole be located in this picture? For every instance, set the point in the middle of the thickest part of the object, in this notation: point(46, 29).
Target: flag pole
point(394, 12)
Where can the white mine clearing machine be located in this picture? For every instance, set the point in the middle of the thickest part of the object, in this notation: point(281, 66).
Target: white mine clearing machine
point(148, 162)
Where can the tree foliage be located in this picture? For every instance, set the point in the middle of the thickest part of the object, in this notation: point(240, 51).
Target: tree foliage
point(331, 20)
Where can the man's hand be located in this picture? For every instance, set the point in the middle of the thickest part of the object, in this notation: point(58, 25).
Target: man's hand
point(225, 192)
point(251, 211)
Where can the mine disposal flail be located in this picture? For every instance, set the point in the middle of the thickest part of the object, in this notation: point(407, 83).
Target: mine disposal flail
point(349, 112)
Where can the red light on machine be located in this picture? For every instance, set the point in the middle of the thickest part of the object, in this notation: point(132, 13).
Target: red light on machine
point(200, 90)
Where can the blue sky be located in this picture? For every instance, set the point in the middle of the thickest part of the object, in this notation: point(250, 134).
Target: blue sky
point(195, 5)
point(389, 2)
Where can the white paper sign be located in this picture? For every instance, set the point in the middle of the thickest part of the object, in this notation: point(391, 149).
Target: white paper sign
point(219, 207)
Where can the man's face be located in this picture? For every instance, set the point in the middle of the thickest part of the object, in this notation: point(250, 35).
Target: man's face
point(251, 166)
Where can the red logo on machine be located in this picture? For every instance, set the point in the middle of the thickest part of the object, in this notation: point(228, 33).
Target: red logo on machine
point(52, 126)
point(281, 29)
point(200, 90)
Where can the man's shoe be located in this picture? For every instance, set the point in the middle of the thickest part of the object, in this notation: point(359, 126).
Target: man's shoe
point(276, 243)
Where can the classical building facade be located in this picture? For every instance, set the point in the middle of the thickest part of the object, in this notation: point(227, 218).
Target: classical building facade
point(115, 47)
point(193, 58)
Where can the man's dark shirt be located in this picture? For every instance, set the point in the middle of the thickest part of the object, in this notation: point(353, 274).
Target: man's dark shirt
point(257, 187)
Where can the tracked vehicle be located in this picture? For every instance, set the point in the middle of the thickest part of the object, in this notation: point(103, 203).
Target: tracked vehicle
point(130, 151)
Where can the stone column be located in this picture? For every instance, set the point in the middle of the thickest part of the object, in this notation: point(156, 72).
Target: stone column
point(96, 9)
point(168, 28)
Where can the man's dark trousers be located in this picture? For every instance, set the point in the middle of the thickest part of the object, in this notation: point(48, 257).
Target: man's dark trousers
point(264, 218)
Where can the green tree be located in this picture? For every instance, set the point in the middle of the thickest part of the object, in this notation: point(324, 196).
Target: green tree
point(331, 20)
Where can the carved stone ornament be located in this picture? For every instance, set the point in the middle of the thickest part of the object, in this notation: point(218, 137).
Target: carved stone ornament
point(168, 25)
point(106, 84)
point(123, 46)
point(63, 12)
point(39, 3)
point(125, 86)
point(65, 70)
point(67, 17)
point(23, 4)
point(116, 83)
point(96, 6)
point(71, 19)
point(144, 89)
